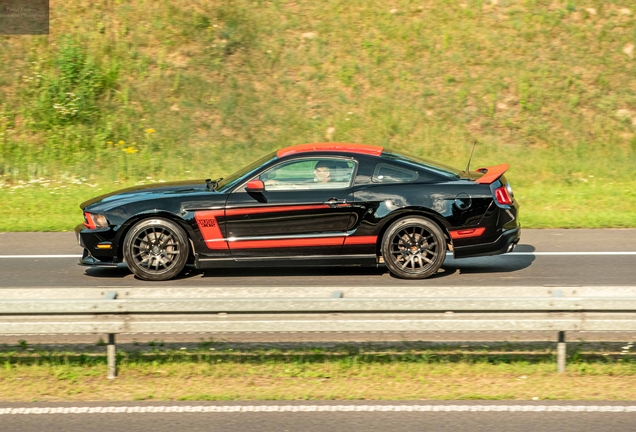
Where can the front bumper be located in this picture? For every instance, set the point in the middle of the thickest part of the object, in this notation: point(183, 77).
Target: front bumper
point(88, 260)
point(98, 247)
point(505, 243)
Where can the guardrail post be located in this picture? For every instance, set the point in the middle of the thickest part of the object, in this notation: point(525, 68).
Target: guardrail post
point(111, 356)
point(111, 349)
point(561, 353)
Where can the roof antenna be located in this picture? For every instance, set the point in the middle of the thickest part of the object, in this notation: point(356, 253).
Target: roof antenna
point(471, 157)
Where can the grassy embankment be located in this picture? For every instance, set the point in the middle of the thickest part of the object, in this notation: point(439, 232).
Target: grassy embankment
point(205, 373)
point(126, 92)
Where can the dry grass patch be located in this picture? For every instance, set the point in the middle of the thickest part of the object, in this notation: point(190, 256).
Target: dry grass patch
point(319, 382)
point(338, 373)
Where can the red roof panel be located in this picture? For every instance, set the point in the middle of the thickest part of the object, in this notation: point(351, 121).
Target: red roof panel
point(331, 147)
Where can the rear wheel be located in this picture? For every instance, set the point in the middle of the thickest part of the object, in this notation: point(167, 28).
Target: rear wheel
point(414, 248)
point(156, 249)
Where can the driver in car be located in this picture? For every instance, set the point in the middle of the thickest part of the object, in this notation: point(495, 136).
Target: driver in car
point(322, 171)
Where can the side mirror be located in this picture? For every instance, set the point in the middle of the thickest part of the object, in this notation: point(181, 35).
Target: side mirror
point(255, 186)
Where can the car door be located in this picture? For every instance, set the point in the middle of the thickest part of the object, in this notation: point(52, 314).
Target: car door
point(298, 213)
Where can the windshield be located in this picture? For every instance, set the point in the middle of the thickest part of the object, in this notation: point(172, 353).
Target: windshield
point(419, 162)
point(231, 180)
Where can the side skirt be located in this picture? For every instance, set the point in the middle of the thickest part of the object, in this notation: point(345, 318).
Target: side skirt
point(289, 261)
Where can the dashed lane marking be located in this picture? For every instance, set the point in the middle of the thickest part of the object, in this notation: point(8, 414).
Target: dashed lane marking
point(314, 408)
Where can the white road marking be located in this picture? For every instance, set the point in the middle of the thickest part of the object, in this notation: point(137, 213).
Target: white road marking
point(626, 253)
point(315, 408)
point(38, 256)
point(569, 253)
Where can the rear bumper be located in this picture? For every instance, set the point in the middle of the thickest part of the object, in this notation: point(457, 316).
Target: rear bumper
point(505, 243)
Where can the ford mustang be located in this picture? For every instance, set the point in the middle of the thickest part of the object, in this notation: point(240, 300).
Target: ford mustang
point(309, 205)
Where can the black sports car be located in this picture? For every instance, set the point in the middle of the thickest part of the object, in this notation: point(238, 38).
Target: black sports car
point(311, 205)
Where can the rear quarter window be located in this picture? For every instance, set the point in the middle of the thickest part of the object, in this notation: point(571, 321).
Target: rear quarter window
point(388, 173)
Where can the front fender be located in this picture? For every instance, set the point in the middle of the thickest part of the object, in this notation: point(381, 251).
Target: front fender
point(128, 224)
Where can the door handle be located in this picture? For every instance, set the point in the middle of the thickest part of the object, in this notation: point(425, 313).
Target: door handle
point(335, 202)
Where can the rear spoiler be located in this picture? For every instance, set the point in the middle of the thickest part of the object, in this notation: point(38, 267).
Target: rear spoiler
point(492, 174)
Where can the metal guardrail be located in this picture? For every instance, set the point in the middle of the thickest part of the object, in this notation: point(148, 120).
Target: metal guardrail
point(315, 304)
point(143, 310)
point(418, 290)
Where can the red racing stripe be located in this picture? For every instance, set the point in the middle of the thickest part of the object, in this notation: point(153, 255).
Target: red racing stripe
point(280, 243)
point(273, 209)
point(210, 229)
point(359, 240)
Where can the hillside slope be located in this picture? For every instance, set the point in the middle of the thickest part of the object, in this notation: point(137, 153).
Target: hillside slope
point(124, 90)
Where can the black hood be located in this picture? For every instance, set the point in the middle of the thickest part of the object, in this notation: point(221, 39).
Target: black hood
point(136, 192)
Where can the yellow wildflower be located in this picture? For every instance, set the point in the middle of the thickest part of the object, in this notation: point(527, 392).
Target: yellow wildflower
point(130, 150)
point(150, 131)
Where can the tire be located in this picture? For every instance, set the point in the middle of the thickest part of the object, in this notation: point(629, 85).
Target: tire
point(413, 248)
point(156, 249)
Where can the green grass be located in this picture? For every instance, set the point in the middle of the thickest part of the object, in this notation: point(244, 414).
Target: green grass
point(124, 91)
point(586, 202)
point(338, 373)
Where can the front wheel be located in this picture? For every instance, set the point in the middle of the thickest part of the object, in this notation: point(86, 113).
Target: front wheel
point(414, 248)
point(156, 249)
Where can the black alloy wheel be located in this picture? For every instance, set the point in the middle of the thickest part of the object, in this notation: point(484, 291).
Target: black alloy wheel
point(156, 249)
point(414, 248)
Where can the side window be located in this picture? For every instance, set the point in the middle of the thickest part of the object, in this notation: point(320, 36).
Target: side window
point(315, 173)
point(386, 173)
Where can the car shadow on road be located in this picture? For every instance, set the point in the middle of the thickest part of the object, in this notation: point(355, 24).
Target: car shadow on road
point(492, 264)
point(286, 272)
point(122, 271)
point(480, 265)
point(119, 272)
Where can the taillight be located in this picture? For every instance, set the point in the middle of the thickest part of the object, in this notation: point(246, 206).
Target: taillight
point(502, 196)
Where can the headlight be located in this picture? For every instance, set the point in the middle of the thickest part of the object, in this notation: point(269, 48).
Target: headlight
point(92, 221)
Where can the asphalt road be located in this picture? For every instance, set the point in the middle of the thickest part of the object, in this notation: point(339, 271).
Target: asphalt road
point(493, 416)
point(543, 258)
